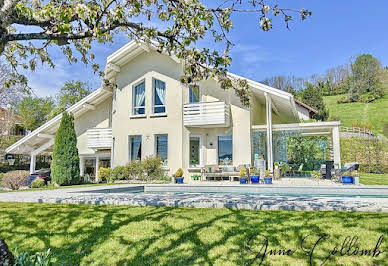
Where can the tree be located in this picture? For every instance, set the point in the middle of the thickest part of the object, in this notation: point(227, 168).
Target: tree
point(15, 91)
point(289, 84)
point(70, 93)
point(312, 96)
point(367, 85)
point(72, 26)
point(65, 162)
point(34, 111)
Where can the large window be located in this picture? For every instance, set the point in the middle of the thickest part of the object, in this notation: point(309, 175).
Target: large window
point(139, 99)
point(159, 95)
point(225, 150)
point(194, 94)
point(134, 148)
point(195, 148)
point(162, 148)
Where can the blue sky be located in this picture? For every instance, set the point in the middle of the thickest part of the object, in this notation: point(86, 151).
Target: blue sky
point(337, 31)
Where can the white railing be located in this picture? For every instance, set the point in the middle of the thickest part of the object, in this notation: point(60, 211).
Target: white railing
point(357, 131)
point(206, 114)
point(99, 138)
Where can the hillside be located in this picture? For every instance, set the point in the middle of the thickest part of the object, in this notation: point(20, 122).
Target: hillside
point(374, 114)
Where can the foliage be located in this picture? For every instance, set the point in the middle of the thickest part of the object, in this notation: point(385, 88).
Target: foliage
point(65, 163)
point(370, 153)
point(309, 150)
point(374, 179)
point(178, 173)
point(173, 27)
point(33, 111)
point(386, 129)
point(243, 172)
point(152, 168)
point(104, 174)
point(311, 96)
point(15, 179)
point(134, 170)
point(15, 91)
point(70, 93)
point(267, 173)
point(118, 173)
point(255, 171)
point(37, 259)
point(290, 84)
point(37, 183)
point(315, 174)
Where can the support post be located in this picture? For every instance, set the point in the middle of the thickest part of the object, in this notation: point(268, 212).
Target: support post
point(97, 166)
point(81, 165)
point(336, 146)
point(32, 163)
point(268, 105)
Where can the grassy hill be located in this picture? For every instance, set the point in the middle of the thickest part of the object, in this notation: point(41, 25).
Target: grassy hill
point(374, 114)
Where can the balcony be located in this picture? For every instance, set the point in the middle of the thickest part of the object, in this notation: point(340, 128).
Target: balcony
point(99, 138)
point(206, 114)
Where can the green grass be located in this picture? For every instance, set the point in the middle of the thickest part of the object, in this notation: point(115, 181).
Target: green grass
point(122, 235)
point(374, 114)
point(374, 179)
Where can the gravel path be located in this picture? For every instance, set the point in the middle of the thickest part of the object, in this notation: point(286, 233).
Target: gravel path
point(120, 195)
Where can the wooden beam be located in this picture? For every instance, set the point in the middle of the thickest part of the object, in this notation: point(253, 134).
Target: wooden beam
point(46, 136)
point(89, 106)
point(43, 147)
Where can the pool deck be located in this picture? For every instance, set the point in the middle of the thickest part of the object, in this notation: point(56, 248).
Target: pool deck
point(371, 198)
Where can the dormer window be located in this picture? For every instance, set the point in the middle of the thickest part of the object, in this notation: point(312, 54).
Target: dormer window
point(139, 99)
point(159, 97)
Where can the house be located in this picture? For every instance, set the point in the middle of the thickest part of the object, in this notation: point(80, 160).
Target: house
point(9, 124)
point(152, 113)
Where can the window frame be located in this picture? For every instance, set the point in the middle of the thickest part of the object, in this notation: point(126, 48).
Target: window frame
point(165, 162)
point(200, 162)
point(153, 98)
point(200, 94)
point(130, 137)
point(134, 107)
point(218, 148)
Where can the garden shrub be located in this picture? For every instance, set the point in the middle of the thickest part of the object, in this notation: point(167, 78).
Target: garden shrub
point(134, 170)
point(104, 174)
point(118, 173)
point(65, 163)
point(1, 177)
point(15, 179)
point(36, 259)
point(37, 183)
point(152, 167)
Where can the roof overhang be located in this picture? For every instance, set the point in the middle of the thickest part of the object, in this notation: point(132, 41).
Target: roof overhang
point(44, 133)
point(306, 129)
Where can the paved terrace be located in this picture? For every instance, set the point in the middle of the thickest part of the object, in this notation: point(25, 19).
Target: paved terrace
point(306, 198)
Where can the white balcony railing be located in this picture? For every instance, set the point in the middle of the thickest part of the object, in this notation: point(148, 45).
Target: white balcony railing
point(206, 114)
point(99, 138)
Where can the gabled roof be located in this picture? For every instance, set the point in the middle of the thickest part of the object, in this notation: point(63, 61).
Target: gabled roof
point(309, 108)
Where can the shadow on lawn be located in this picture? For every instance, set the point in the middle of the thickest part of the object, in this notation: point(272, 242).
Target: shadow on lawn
point(179, 237)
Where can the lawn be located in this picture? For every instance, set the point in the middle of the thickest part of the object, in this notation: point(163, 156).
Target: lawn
point(374, 179)
point(373, 113)
point(122, 235)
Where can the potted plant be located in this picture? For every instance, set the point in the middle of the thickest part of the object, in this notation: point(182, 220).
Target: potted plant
point(276, 164)
point(347, 178)
point(276, 171)
point(196, 177)
point(315, 174)
point(267, 177)
point(255, 176)
point(179, 176)
point(243, 176)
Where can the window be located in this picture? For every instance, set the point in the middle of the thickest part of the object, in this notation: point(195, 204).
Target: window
point(195, 149)
point(159, 95)
point(134, 148)
point(162, 148)
point(225, 150)
point(194, 94)
point(139, 99)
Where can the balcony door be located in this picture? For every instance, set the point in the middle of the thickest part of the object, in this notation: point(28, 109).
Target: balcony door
point(194, 94)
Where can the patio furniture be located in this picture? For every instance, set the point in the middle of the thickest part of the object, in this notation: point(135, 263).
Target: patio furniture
point(214, 172)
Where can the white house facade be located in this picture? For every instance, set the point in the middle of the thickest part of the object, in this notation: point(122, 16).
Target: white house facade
point(151, 113)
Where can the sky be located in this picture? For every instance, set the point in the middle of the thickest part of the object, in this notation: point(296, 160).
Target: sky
point(336, 32)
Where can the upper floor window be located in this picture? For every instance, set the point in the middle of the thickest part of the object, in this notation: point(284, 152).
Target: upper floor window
point(162, 148)
point(194, 94)
point(159, 101)
point(139, 99)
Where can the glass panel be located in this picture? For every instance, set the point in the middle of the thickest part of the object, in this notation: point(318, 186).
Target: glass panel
point(162, 148)
point(193, 94)
point(159, 96)
point(259, 144)
point(90, 167)
point(135, 148)
point(104, 162)
point(139, 99)
point(194, 151)
point(225, 150)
